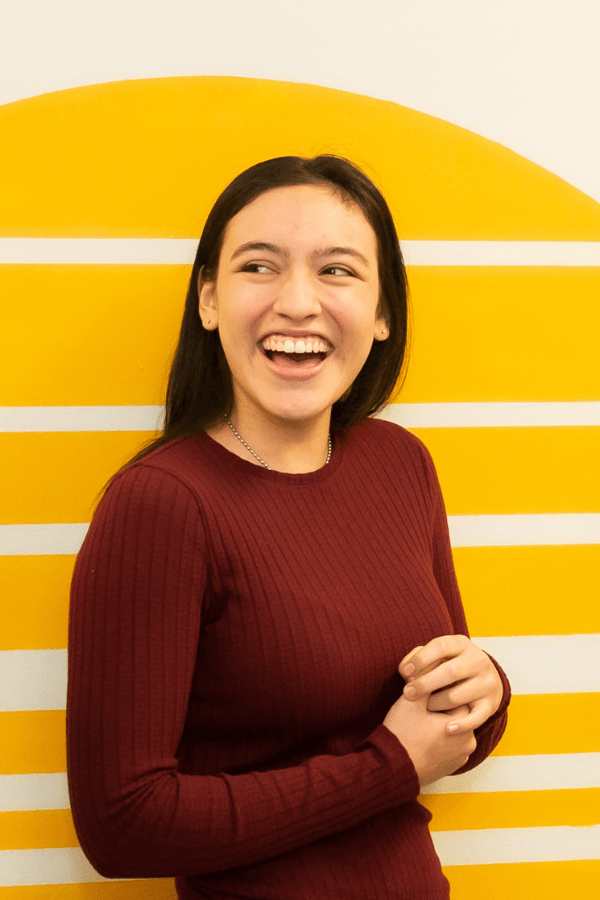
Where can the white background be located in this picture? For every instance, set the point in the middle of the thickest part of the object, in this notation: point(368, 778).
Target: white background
point(525, 73)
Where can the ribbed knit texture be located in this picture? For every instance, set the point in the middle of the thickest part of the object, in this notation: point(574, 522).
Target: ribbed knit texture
point(234, 641)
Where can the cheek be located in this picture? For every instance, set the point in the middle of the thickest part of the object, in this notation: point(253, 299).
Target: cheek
point(235, 318)
point(243, 310)
point(356, 353)
point(360, 332)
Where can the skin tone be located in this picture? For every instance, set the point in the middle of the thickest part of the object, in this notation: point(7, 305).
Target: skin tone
point(299, 264)
point(452, 687)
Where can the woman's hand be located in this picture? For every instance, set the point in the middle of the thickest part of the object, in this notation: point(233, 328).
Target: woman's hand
point(451, 671)
point(434, 751)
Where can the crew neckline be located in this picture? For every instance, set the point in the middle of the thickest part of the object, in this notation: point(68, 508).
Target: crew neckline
point(225, 457)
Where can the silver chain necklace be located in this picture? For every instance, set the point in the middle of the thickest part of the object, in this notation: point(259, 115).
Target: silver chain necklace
point(259, 458)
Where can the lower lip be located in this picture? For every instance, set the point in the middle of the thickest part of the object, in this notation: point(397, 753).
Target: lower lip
point(296, 371)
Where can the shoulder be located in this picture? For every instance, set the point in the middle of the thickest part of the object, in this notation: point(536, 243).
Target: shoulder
point(147, 517)
point(379, 445)
point(186, 460)
point(165, 478)
point(383, 436)
point(152, 503)
point(191, 474)
point(178, 456)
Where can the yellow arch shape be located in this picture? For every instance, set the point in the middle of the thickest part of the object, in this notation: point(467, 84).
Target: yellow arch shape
point(146, 158)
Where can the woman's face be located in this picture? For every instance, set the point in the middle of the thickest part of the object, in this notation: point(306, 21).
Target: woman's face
point(296, 302)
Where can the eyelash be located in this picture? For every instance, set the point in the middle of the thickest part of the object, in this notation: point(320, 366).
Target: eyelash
point(253, 268)
point(341, 269)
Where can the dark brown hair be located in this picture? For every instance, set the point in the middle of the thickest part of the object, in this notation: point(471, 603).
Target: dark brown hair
point(200, 387)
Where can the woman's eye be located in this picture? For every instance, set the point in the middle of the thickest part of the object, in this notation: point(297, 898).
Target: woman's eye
point(258, 268)
point(336, 270)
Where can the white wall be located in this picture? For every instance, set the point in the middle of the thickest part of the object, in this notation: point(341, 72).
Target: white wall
point(525, 73)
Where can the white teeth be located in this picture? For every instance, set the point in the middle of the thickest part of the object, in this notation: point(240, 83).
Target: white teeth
point(287, 345)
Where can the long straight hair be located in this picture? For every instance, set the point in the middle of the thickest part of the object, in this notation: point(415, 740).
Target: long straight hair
point(200, 388)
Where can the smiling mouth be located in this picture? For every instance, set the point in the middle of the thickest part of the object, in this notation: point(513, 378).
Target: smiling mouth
point(301, 350)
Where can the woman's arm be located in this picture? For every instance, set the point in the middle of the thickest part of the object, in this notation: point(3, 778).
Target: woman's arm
point(136, 614)
point(452, 665)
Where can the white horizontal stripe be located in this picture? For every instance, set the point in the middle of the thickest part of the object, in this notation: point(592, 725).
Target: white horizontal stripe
point(535, 664)
point(410, 415)
point(501, 253)
point(98, 251)
point(38, 540)
point(59, 865)
point(455, 848)
point(517, 845)
point(537, 772)
point(80, 418)
point(524, 530)
point(181, 251)
point(47, 790)
point(493, 415)
point(497, 774)
point(548, 664)
point(33, 679)
point(465, 531)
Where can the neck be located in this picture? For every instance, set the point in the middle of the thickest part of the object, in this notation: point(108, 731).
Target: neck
point(285, 446)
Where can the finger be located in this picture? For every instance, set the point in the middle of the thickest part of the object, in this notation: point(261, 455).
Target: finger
point(460, 712)
point(425, 671)
point(441, 703)
point(408, 657)
point(445, 675)
point(477, 716)
point(437, 650)
point(456, 712)
point(472, 667)
point(461, 693)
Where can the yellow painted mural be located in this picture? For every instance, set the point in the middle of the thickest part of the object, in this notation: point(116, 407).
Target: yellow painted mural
point(145, 160)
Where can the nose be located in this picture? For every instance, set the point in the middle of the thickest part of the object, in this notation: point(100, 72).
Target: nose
point(298, 297)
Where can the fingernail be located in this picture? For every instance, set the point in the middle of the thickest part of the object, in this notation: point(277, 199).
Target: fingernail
point(409, 669)
point(410, 692)
point(451, 728)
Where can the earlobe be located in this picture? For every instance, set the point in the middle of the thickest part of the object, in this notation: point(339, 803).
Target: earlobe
point(382, 331)
point(207, 305)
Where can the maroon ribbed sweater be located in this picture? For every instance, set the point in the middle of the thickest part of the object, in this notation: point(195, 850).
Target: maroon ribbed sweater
point(234, 641)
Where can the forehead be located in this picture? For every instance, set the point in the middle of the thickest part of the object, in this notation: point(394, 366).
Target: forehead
point(301, 216)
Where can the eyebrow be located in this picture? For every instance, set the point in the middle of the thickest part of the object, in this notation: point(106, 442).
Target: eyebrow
point(257, 246)
point(343, 251)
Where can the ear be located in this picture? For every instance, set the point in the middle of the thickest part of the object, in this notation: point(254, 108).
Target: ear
point(381, 332)
point(207, 305)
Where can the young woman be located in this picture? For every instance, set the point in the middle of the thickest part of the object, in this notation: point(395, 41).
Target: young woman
point(268, 652)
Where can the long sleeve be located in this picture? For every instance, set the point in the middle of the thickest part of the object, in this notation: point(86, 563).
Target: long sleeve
point(137, 608)
point(234, 642)
point(487, 735)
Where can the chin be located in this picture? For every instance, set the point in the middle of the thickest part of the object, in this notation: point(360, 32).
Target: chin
point(301, 412)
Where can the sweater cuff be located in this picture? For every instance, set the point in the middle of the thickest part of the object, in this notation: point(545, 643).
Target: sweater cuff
point(396, 756)
point(506, 695)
